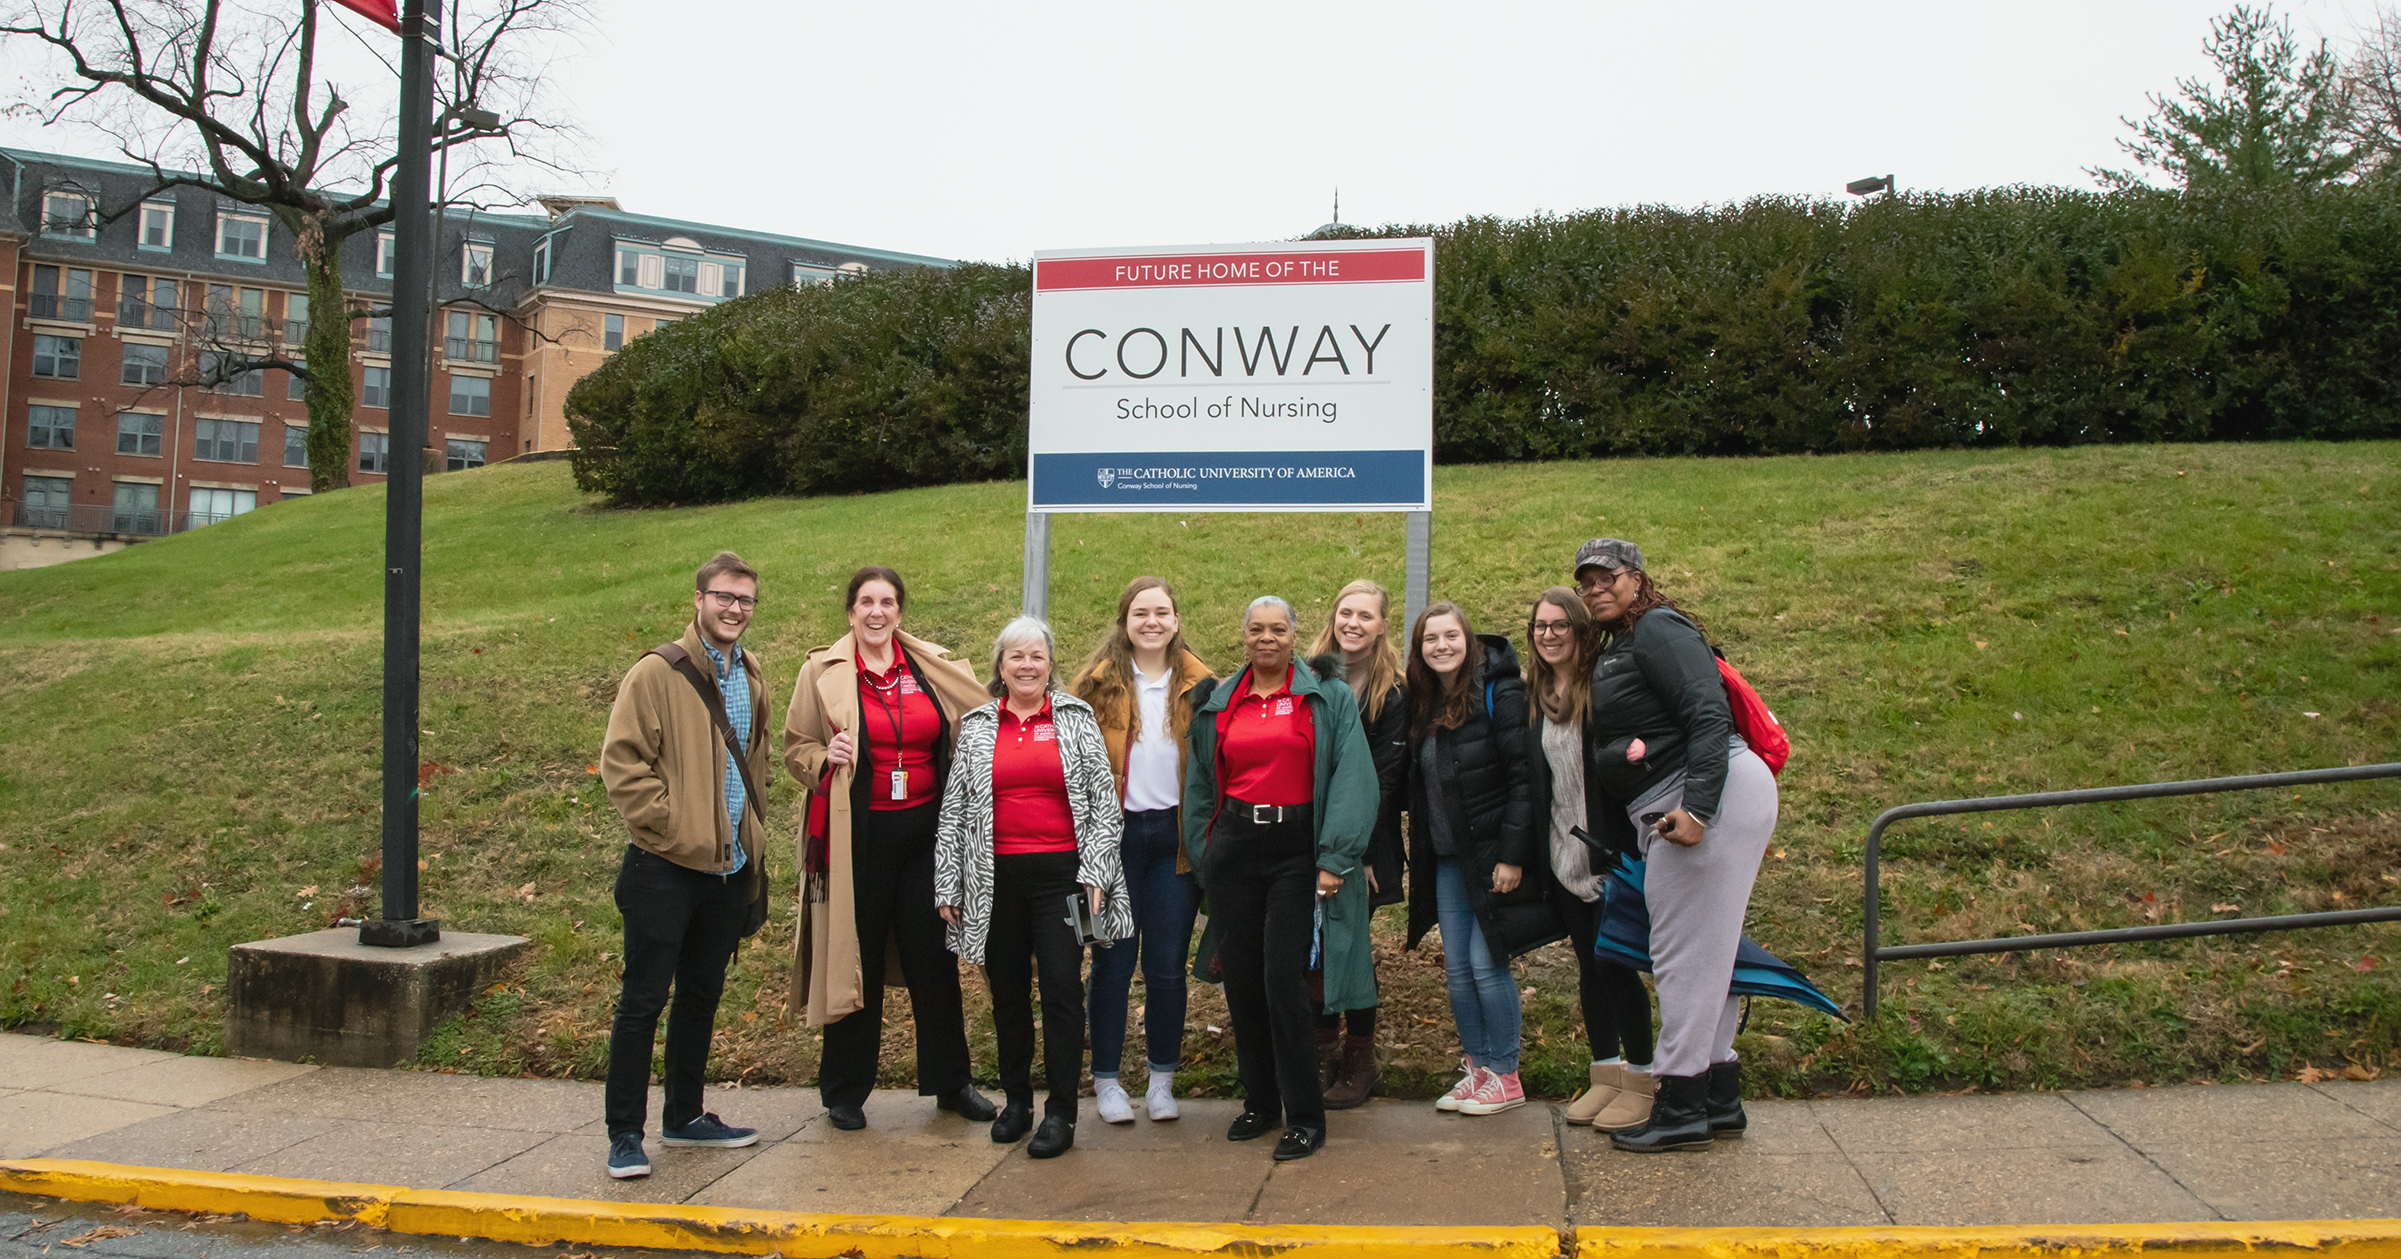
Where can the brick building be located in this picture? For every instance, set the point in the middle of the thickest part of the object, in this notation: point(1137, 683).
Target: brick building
point(122, 293)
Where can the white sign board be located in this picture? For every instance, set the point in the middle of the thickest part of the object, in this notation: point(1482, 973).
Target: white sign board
point(1282, 377)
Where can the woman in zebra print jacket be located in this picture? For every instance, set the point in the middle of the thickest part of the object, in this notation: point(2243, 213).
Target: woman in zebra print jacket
point(1030, 822)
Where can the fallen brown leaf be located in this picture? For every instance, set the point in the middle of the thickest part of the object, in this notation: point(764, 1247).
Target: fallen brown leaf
point(100, 1234)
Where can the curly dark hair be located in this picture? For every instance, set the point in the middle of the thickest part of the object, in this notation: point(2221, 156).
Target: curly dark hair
point(1646, 597)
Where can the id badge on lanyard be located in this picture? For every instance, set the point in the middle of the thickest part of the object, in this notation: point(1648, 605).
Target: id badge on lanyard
point(900, 784)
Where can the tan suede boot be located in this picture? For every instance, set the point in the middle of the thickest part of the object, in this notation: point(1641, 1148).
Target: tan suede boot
point(1606, 1085)
point(1631, 1108)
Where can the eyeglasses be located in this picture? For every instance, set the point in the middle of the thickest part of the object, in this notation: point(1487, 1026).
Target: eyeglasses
point(1549, 629)
point(1601, 579)
point(727, 599)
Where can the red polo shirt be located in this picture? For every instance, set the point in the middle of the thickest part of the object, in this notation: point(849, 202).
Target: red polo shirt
point(901, 725)
point(1029, 787)
point(1268, 745)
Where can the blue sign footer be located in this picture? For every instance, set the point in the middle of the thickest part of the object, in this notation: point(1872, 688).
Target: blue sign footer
point(1248, 478)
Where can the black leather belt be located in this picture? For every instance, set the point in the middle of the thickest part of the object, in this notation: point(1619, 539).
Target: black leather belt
point(1266, 814)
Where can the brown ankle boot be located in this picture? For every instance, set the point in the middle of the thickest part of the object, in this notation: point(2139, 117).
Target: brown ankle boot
point(1631, 1108)
point(1329, 1058)
point(1606, 1082)
point(1356, 1077)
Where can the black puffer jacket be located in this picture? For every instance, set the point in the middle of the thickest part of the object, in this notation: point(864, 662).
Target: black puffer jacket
point(1660, 685)
point(1487, 767)
point(1388, 735)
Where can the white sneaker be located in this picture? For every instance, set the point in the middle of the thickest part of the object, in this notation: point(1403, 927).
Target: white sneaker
point(1466, 1086)
point(1161, 1098)
point(1108, 1097)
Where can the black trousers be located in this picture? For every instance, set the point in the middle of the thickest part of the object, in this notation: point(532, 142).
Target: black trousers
point(681, 928)
point(1029, 933)
point(1617, 1008)
point(1262, 886)
point(892, 897)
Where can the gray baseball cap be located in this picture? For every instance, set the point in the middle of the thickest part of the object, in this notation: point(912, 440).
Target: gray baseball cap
point(1608, 553)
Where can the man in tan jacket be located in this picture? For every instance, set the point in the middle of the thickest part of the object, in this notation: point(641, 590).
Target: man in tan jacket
point(694, 882)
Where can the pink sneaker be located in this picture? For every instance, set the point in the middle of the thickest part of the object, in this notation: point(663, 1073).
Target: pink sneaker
point(1494, 1094)
point(1463, 1089)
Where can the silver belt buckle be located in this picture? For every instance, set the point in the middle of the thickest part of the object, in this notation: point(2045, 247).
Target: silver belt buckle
point(1262, 814)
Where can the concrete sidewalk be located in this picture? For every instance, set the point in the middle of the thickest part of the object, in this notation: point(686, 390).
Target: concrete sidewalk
point(2253, 1152)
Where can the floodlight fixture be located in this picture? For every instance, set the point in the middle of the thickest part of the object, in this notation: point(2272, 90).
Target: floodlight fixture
point(1870, 185)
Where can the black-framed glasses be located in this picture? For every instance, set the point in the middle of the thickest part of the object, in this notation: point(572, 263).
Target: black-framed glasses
point(1550, 629)
point(728, 599)
point(1601, 579)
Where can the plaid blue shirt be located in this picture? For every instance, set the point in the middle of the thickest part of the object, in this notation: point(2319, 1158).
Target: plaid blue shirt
point(729, 671)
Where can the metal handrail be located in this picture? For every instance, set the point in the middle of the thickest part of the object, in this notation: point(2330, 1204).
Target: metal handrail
point(1872, 952)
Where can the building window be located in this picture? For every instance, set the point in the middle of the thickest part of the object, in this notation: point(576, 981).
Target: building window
point(463, 455)
point(471, 338)
point(295, 445)
point(59, 358)
point(68, 216)
point(683, 275)
point(295, 387)
point(53, 428)
point(225, 441)
point(158, 225)
point(138, 432)
point(46, 502)
point(475, 265)
point(374, 452)
point(211, 506)
point(224, 374)
point(542, 261)
point(146, 304)
point(375, 390)
point(612, 332)
point(137, 509)
point(470, 395)
point(242, 236)
point(237, 314)
point(385, 251)
point(62, 293)
point(295, 318)
point(629, 267)
point(379, 335)
point(733, 279)
point(144, 364)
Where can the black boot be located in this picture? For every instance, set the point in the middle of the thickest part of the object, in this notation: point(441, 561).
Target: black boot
point(1679, 1118)
point(1725, 1100)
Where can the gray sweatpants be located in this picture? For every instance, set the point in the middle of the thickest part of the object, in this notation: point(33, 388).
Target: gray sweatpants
point(1697, 898)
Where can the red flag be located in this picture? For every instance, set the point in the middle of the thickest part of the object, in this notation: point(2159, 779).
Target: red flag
point(384, 13)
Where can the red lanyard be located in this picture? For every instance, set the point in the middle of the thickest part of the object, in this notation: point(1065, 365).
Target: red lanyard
point(900, 670)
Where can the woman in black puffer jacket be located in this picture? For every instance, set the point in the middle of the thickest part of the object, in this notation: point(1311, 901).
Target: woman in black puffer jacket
point(1670, 781)
point(1475, 865)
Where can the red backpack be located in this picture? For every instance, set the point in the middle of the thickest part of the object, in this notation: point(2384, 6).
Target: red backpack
point(1752, 720)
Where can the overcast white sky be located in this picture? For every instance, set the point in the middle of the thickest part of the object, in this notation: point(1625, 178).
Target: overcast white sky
point(986, 131)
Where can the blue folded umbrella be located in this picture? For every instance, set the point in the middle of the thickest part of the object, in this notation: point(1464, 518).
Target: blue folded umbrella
point(1625, 938)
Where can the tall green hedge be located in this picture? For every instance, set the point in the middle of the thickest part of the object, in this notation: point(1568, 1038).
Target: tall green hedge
point(2011, 316)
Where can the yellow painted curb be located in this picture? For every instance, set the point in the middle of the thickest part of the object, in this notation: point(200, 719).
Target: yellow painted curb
point(2319, 1239)
point(275, 1199)
point(793, 1235)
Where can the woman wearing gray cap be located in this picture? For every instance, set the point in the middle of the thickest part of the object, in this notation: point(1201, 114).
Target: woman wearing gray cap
point(1672, 783)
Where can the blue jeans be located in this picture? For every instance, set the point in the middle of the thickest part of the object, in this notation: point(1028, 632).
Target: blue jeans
point(1483, 992)
point(1164, 906)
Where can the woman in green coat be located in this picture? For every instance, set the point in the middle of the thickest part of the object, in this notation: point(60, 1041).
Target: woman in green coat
point(1280, 800)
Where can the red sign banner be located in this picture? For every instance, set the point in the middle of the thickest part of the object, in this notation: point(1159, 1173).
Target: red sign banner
point(384, 13)
point(1299, 266)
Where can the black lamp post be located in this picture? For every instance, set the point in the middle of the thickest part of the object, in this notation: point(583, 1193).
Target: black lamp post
point(404, 508)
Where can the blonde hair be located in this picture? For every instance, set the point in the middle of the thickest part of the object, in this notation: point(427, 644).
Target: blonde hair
point(1373, 685)
point(1105, 679)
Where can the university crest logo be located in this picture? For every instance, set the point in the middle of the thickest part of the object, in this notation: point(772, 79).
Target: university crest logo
point(1107, 475)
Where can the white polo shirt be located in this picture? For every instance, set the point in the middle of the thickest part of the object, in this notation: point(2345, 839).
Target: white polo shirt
point(1151, 780)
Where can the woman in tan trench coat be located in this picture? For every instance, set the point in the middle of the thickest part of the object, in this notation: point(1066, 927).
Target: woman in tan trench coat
point(871, 727)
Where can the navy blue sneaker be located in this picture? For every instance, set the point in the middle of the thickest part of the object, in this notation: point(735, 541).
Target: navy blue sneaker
point(626, 1159)
point(709, 1130)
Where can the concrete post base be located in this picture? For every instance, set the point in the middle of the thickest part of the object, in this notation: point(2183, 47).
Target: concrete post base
point(324, 997)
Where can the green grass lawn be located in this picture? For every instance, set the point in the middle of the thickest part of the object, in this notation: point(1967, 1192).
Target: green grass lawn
point(189, 729)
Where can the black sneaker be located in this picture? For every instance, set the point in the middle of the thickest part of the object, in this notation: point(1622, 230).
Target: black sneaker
point(626, 1159)
point(709, 1130)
